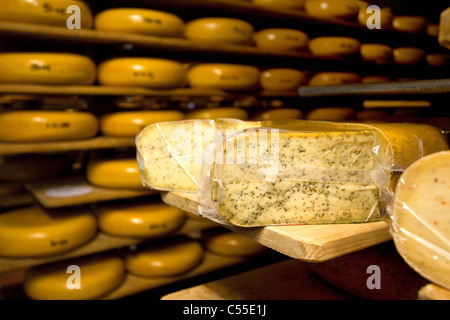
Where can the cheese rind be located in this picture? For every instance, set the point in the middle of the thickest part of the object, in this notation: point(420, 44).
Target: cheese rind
point(330, 46)
point(114, 173)
point(281, 39)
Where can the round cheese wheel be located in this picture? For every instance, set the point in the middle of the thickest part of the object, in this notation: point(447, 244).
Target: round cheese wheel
point(408, 55)
point(114, 173)
point(281, 4)
point(421, 217)
point(227, 243)
point(45, 12)
point(168, 258)
point(218, 30)
point(342, 9)
point(370, 18)
point(34, 232)
point(331, 114)
point(141, 220)
point(432, 29)
point(222, 112)
point(146, 72)
point(282, 79)
point(83, 278)
point(47, 68)
point(233, 77)
point(330, 46)
point(375, 79)
point(141, 21)
point(278, 114)
point(130, 123)
point(412, 24)
point(376, 52)
point(281, 39)
point(334, 78)
point(437, 59)
point(42, 126)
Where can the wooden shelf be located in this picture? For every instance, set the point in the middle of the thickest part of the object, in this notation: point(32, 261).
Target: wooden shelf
point(311, 243)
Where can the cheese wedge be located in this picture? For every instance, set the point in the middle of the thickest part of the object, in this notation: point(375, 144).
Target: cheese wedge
point(408, 55)
point(278, 114)
point(114, 173)
point(281, 4)
point(222, 112)
point(281, 39)
point(411, 24)
point(333, 78)
point(341, 9)
point(34, 232)
point(420, 217)
point(282, 79)
point(331, 46)
point(231, 244)
point(83, 278)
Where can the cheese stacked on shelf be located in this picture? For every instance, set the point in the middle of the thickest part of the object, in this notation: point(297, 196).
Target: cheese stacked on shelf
point(324, 78)
point(340, 9)
point(281, 4)
point(282, 79)
point(281, 39)
point(221, 112)
point(331, 114)
point(278, 114)
point(366, 17)
point(334, 46)
point(411, 24)
point(377, 52)
point(408, 55)
point(114, 173)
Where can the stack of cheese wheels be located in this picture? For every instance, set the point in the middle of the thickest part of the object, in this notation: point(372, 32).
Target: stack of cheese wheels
point(332, 114)
point(220, 30)
point(420, 217)
point(130, 123)
point(82, 278)
point(437, 59)
point(281, 4)
point(35, 232)
point(333, 78)
point(221, 112)
point(45, 12)
point(114, 173)
point(165, 258)
point(411, 24)
point(232, 77)
point(152, 73)
point(282, 79)
point(334, 46)
point(278, 114)
point(148, 219)
point(367, 17)
point(141, 21)
point(341, 9)
point(281, 39)
point(228, 243)
point(47, 68)
point(45, 125)
point(376, 52)
point(408, 55)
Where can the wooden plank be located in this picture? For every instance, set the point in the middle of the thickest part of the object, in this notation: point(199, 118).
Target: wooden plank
point(433, 292)
point(312, 243)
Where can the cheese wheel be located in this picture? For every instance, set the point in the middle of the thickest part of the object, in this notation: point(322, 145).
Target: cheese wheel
point(34, 167)
point(278, 114)
point(334, 78)
point(437, 59)
point(342, 9)
point(372, 115)
point(114, 173)
point(411, 24)
point(168, 258)
point(218, 30)
point(376, 52)
point(330, 46)
point(146, 72)
point(141, 21)
point(281, 4)
point(432, 29)
point(421, 219)
point(408, 55)
point(371, 18)
point(213, 113)
point(233, 77)
point(281, 39)
point(231, 244)
point(375, 79)
point(282, 79)
point(141, 220)
point(45, 12)
point(47, 68)
point(331, 114)
point(42, 126)
point(130, 123)
point(34, 232)
point(95, 275)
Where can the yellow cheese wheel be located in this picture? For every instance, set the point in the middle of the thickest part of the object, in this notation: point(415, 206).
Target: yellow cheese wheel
point(228, 243)
point(114, 173)
point(47, 68)
point(334, 78)
point(233, 77)
point(281, 39)
point(140, 220)
point(370, 18)
point(34, 232)
point(437, 59)
point(412, 24)
point(281, 4)
point(368, 115)
point(141, 21)
point(168, 258)
point(408, 55)
point(331, 114)
point(330, 46)
point(278, 114)
point(130, 123)
point(46, 12)
point(376, 52)
point(218, 30)
point(83, 278)
point(421, 217)
point(375, 79)
point(33, 167)
point(146, 72)
point(41, 126)
point(282, 79)
point(222, 112)
point(432, 29)
point(343, 9)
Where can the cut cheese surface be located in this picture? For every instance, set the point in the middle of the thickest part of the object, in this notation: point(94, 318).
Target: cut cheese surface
point(42, 126)
point(282, 79)
point(83, 278)
point(408, 55)
point(114, 173)
point(34, 232)
point(421, 219)
point(281, 39)
point(330, 46)
point(333, 78)
point(278, 114)
point(47, 68)
point(222, 112)
point(281, 4)
point(343, 9)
